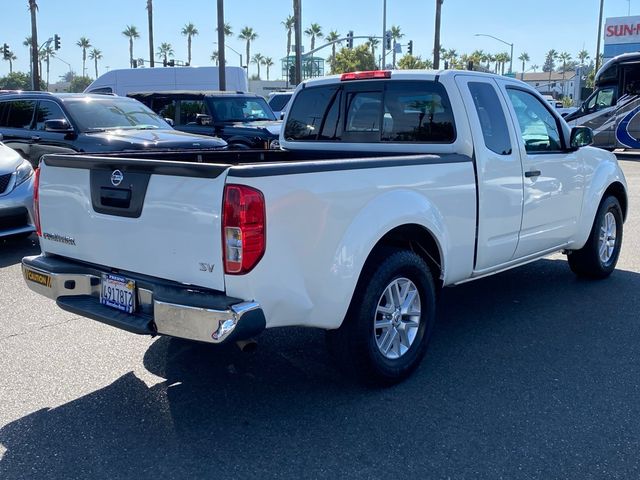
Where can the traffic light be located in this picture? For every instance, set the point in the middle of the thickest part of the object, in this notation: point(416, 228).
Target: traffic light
point(387, 40)
point(134, 63)
point(292, 75)
point(410, 47)
point(350, 39)
point(56, 42)
point(5, 51)
point(172, 63)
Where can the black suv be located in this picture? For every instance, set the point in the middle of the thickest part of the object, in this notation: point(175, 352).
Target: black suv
point(37, 123)
point(244, 120)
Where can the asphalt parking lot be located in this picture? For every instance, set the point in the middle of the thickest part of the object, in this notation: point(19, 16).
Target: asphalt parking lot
point(531, 374)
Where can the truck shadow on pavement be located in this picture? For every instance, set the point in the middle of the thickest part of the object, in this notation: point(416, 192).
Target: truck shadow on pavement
point(12, 250)
point(530, 373)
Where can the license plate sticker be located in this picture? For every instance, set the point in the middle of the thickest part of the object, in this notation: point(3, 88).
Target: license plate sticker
point(118, 292)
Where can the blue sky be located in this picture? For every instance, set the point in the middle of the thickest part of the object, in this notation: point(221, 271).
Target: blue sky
point(534, 26)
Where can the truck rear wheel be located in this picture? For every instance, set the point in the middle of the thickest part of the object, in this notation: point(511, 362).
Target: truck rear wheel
point(598, 257)
point(388, 325)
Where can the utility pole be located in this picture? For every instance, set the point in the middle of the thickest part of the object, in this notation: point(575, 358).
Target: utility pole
point(222, 77)
point(436, 40)
point(297, 15)
point(150, 20)
point(384, 35)
point(599, 36)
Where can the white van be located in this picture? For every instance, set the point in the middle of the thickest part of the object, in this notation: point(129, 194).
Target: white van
point(128, 80)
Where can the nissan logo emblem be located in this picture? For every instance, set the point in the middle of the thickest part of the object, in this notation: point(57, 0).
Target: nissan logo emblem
point(116, 178)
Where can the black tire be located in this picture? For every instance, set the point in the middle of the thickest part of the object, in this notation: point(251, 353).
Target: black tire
point(587, 262)
point(354, 346)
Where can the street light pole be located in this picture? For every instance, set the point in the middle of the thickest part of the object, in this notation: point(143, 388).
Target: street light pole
point(297, 15)
point(500, 40)
point(384, 34)
point(599, 36)
point(436, 39)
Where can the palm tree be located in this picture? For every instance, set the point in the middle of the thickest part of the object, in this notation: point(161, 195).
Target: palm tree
point(33, 8)
point(453, 56)
point(535, 67)
point(314, 31)
point(332, 36)
point(268, 62)
point(95, 55)
point(257, 59)
point(248, 35)
point(289, 24)
point(84, 43)
point(564, 57)
point(228, 30)
point(131, 32)
point(189, 30)
point(150, 27)
point(524, 58)
point(396, 35)
point(552, 55)
point(10, 59)
point(476, 57)
point(583, 56)
point(215, 57)
point(165, 50)
point(48, 52)
point(501, 60)
point(373, 43)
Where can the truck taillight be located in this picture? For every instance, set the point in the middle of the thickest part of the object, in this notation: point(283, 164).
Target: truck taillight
point(36, 202)
point(243, 228)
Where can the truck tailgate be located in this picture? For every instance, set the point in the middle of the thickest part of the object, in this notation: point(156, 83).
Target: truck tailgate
point(156, 218)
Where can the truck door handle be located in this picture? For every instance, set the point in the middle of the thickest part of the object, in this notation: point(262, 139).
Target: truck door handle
point(532, 173)
point(36, 138)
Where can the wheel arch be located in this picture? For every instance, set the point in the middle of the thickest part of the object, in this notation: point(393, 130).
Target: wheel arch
point(617, 190)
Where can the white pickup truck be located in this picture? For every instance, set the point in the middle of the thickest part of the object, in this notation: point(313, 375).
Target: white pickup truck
point(390, 186)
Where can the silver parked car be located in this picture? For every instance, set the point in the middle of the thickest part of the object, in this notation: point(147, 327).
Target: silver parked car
point(16, 193)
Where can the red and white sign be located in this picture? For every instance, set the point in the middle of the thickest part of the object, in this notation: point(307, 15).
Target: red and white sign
point(622, 30)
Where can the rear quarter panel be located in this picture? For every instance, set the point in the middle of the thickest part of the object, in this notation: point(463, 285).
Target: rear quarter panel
point(322, 226)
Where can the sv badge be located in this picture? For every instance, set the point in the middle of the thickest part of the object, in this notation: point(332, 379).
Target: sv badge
point(207, 267)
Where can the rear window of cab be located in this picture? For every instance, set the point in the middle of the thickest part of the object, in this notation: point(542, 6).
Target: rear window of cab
point(369, 112)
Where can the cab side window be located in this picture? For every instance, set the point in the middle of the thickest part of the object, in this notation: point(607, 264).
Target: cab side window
point(48, 111)
point(538, 127)
point(491, 117)
point(604, 98)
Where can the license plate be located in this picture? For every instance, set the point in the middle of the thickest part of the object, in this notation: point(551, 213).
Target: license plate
point(118, 292)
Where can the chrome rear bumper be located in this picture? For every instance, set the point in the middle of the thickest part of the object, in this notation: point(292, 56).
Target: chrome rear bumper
point(163, 308)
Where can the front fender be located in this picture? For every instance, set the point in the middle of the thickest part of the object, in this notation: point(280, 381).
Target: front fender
point(601, 171)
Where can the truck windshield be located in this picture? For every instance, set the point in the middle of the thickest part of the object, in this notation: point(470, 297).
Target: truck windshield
point(239, 109)
point(112, 113)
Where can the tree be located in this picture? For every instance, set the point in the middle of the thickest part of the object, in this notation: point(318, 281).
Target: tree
point(150, 27)
point(352, 60)
point(550, 61)
point(409, 62)
point(314, 31)
point(248, 35)
point(67, 77)
point(35, 73)
point(535, 67)
point(524, 58)
point(289, 24)
point(396, 35)
point(268, 62)
point(84, 43)
point(95, 55)
point(165, 50)
point(257, 59)
point(583, 56)
point(501, 60)
point(332, 36)
point(131, 32)
point(215, 57)
point(79, 84)
point(11, 58)
point(47, 53)
point(17, 81)
point(373, 42)
point(189, 31)
point(228, 30)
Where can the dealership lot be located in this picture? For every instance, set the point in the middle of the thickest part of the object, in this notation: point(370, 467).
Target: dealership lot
point(531, 373)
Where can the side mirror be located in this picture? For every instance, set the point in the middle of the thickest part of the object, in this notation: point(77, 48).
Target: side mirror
point(202, 119)
point(282, 115)
point(169, 121)
point(58, 126)
point(580, 137)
